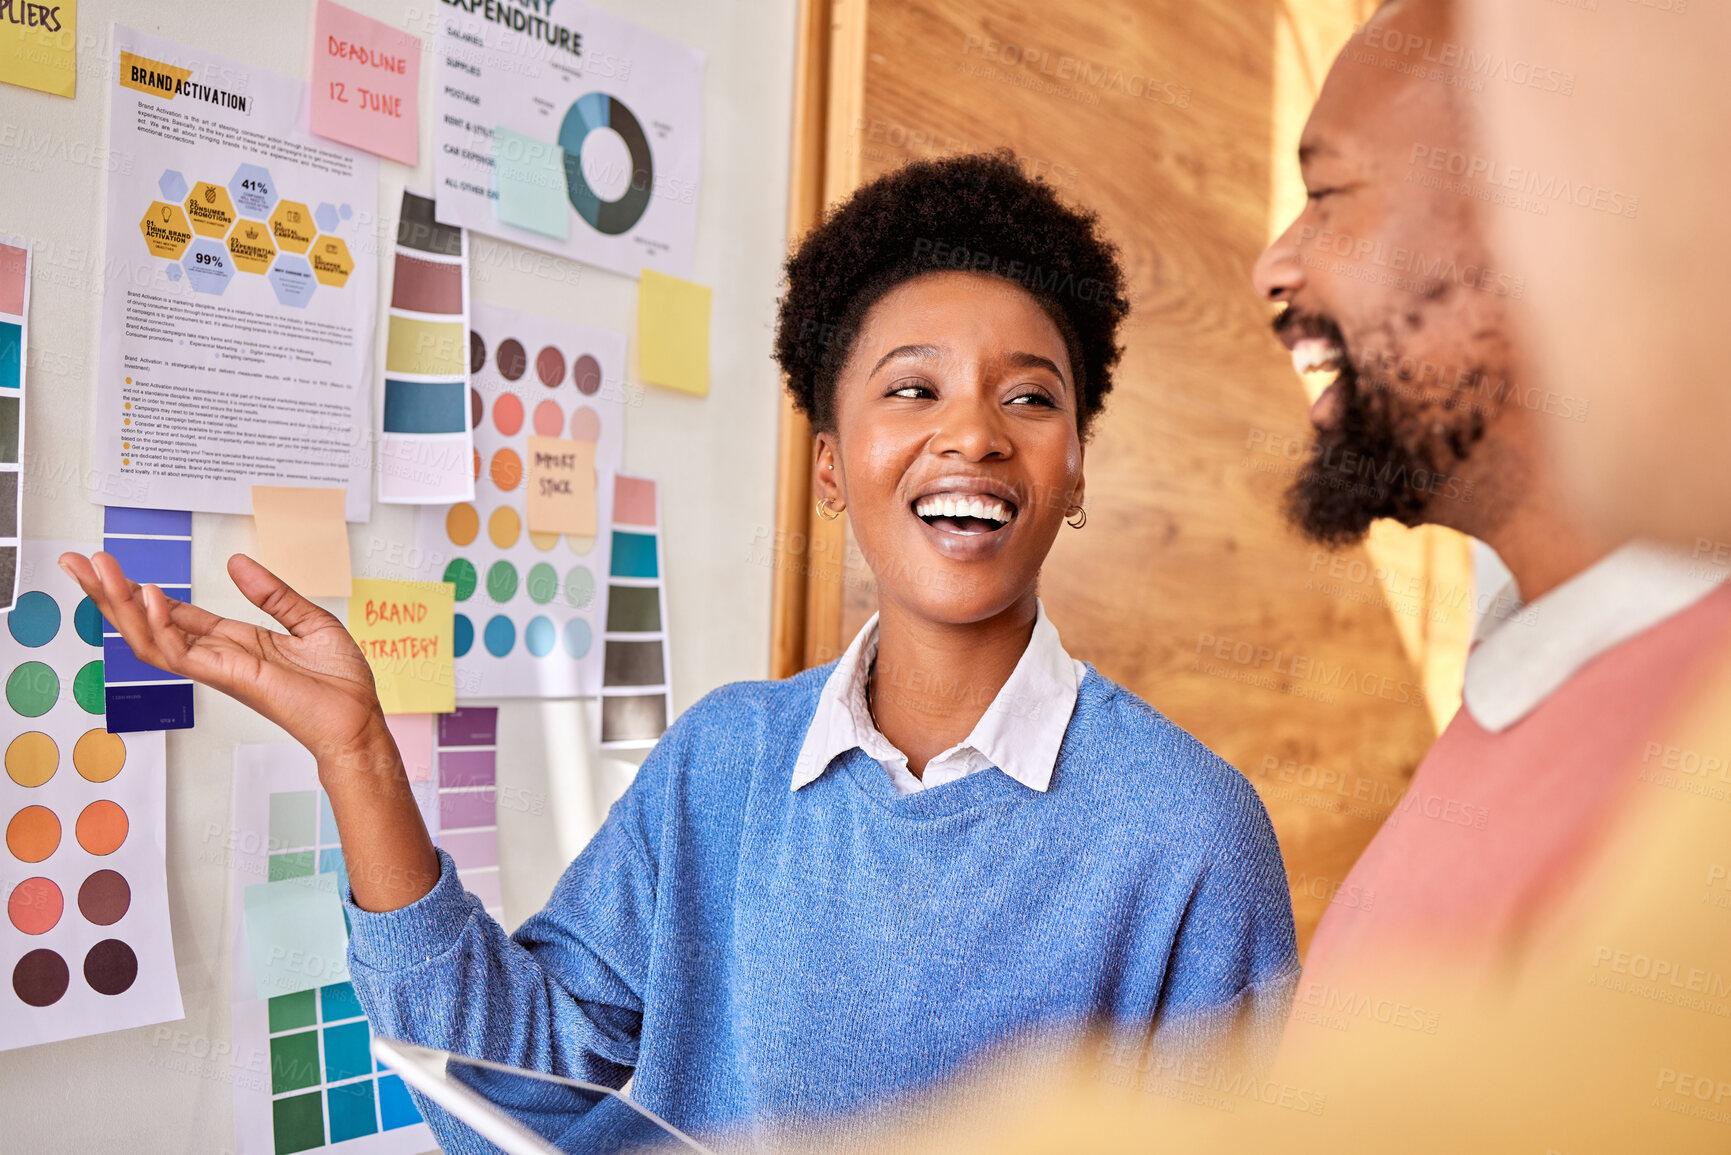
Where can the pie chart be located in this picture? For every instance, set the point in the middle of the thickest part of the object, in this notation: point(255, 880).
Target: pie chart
point(590, 112)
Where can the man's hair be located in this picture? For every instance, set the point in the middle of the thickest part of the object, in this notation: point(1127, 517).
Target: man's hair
point(974, 213)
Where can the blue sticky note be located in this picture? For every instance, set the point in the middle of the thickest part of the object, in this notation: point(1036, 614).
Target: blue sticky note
point(296, 935)
point(530, 176)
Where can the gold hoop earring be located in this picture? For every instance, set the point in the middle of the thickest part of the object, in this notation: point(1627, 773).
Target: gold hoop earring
point(1077, 518)
point(826, 511)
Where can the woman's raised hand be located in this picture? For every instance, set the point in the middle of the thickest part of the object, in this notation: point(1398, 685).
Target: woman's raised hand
point(311, 681)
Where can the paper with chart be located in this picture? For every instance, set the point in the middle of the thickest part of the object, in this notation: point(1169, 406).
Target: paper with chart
point(617, 109)
point(304, 1079)
point(85, 946)
point(530, 604)
point(242, 266)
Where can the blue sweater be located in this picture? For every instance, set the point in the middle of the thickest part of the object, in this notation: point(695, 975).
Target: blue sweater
point(757, 955)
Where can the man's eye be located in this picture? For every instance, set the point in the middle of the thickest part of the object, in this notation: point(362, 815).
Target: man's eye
point(1317, 194)
point(913, 389)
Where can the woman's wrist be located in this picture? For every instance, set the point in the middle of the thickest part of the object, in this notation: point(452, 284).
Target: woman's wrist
point(368, 764)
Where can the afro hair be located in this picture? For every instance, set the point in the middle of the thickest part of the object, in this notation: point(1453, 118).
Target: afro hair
point(971, 213)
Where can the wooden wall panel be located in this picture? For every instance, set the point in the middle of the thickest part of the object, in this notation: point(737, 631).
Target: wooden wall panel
point(1323, 677)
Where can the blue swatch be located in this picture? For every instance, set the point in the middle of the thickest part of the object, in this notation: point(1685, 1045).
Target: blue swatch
point(35, 619)
point(11, 360)
point(634, 555)
point(426, 406)
point(463, 639)
point(500, 636)
point(150, 522)
point(540, 636)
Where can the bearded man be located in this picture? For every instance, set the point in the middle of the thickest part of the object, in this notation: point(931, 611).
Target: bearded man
point(1433, 419)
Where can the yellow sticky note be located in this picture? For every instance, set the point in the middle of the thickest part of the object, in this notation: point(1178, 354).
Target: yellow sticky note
point(406, 630)
point(39, 45)
point(302, 538)
point(673, 332)
point(561, 486)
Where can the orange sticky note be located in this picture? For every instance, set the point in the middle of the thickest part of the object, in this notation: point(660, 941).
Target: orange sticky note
point(302, 538)
point(406, 631)
point(673, 332)
point(366, 80)
point(561, 486)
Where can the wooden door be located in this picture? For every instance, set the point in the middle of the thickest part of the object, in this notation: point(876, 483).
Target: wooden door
point(1323, 677)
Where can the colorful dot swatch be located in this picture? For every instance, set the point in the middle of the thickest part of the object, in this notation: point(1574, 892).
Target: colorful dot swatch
point(14, 333)
point(154, 547)
point(529, 605)
point(426, 446)
point(636, 697)
point(85, 943)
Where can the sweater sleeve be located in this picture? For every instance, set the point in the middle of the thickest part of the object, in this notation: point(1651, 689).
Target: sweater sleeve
point(564, 994)
point(1234, 962)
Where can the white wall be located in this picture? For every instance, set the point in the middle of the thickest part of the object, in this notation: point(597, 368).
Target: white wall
point(715, 458)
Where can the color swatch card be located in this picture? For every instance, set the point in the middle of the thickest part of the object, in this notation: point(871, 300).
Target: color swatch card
point(85, 945)
point(14, 334)
point(311, 1083)
point(405, 631)
point(39, 45)
point(426, 448)
point(636, 694)
point(154, 547)
point(530, 603)
point(468, 800)
point(366, 80)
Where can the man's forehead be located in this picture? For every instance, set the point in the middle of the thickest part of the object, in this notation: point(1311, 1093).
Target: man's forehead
point(1365, 98)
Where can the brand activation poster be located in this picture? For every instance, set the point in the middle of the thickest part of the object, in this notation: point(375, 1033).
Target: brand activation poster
point(242, 282)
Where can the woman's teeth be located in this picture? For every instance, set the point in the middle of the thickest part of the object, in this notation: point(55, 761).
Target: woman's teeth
point(1317, 354)
point(986, 509)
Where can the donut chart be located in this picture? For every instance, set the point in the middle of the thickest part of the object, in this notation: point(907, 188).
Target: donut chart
point(590, 112)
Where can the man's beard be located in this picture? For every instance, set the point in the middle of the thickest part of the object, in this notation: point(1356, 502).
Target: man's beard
point(1376, 462)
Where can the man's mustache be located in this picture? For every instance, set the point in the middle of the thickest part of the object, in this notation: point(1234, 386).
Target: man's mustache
point(1293, 321)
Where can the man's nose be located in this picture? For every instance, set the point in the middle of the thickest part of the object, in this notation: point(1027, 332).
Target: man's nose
point(1279, 274)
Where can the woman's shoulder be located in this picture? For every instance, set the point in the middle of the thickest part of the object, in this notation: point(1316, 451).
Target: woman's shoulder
point(1127, 745)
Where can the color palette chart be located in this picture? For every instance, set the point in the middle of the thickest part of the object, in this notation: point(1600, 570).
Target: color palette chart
point(468, 800)
point(318, 1088)
point(154, 547)
point(530, 606)
point(85, 944)
point(14, 333)
point(636, 698)
point(426, 447)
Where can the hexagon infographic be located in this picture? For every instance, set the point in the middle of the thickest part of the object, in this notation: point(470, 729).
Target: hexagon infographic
point(209, 209)
point(331, 261)
point(253, 190)
point(292, 226)
point(166, 232)
point(173, 186)
point(292, 278)
point(251, 247)
point(208, 266)
point(326, 216)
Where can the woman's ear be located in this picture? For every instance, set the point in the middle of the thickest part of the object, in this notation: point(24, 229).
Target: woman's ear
point(826, 478)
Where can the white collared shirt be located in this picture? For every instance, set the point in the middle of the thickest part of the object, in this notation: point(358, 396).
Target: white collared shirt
point(1526, 653)
point(1019, 733)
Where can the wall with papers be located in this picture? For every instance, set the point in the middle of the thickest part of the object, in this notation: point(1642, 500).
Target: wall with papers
point(173, 1086)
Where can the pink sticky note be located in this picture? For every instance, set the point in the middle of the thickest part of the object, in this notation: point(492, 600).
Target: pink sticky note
point(414, 735)
point(365, 82)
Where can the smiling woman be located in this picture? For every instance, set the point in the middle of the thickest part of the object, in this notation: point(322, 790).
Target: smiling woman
point(823, 892)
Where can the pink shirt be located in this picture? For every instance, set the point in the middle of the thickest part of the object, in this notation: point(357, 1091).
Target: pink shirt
point(1508, 804)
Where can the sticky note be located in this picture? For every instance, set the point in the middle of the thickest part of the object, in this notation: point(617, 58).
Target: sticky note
point(530, 175)
point(39, 43)
point(302, 538)
point(673, 332)
point(561, 486)
point(295, 934)
point(366, 79)
point(414, 738)
point(406, 629)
